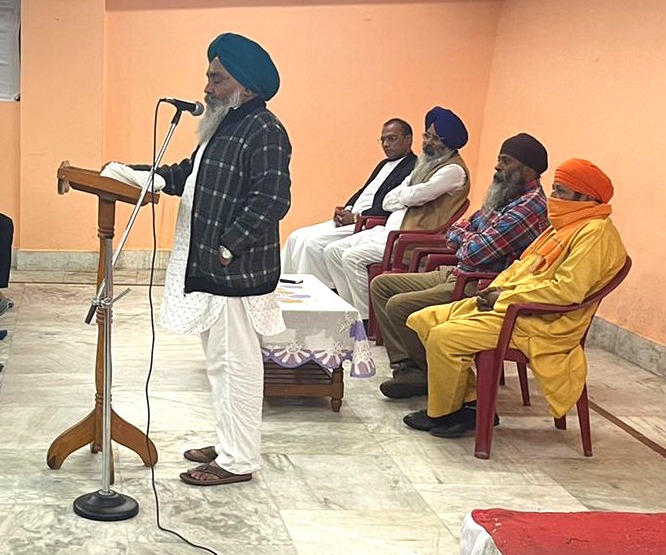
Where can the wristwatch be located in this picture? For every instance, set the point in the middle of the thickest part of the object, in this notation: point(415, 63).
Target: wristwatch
point(225, 254)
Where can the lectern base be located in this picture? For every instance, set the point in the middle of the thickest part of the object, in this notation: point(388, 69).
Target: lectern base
point(106, 506)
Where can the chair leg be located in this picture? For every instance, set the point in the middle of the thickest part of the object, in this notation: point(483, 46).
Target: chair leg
point(583, 409)
point(524, 385)
point(372, 332)
point(561, 423)
point(487, 386)
point(502, 377)
point(373, 327)
point(379, 340)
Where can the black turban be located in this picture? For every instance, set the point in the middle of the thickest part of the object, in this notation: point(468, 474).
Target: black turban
point(527, 150)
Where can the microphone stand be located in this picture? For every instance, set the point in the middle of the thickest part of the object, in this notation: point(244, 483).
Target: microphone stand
point(106, 504)
point(123, 239)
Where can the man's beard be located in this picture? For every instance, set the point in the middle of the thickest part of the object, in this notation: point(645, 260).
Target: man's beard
point(216, 111)
point(427, 162)
point(504, 189)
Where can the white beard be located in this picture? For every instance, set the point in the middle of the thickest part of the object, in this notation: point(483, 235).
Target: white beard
point(425, 164)
point(216, 111)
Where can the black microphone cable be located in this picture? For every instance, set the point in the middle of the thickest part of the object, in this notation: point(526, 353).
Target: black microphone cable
point(152, 358)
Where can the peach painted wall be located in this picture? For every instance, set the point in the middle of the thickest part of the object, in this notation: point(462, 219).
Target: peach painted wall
point(62, 96)
point(587, 78)
point(345, 69)
point(92, 71)
point(9, 160)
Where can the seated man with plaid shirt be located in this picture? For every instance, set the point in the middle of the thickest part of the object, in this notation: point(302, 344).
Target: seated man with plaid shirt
point(512, 216)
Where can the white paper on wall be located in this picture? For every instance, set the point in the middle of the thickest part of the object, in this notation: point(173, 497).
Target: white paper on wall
point(10, 54)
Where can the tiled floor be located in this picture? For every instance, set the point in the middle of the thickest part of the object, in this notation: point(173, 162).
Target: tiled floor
point(357, 482)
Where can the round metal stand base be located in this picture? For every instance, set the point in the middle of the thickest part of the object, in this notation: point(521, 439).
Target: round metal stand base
point(106, 506)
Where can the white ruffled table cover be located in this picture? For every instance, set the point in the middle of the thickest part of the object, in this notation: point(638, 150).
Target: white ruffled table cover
point(321, 328)
point(475, 540)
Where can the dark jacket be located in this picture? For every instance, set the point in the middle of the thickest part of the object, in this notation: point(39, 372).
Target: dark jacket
point(242, 191)
point(395, 178)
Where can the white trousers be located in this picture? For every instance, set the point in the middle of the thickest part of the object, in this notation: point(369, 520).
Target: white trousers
point(303, 252)
point(235, 370)
point(347, 261)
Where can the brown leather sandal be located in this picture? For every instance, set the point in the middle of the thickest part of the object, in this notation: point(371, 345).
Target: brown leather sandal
point(201, 455)
point(215, 476)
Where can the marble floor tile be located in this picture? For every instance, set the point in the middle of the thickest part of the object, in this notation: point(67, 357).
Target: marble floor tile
point(449, 502)
point(312, 482)
point(652, 427)
point(628, 484)
point(347, 532)
point(357, 481)
point(238, 514)
point(317, 438)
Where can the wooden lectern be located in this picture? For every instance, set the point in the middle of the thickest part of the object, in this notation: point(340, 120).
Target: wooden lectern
point(89, 430)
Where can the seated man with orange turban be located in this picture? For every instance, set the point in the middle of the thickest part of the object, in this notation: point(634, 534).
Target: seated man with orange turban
point(576, 256)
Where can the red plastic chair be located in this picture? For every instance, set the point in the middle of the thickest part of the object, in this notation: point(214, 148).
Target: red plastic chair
point(367, 222)
point(395, 253)
point(399, 241)
point(426, 259)
point(489, 365)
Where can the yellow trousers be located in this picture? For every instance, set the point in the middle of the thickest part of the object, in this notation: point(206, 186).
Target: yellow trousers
point(452, 334)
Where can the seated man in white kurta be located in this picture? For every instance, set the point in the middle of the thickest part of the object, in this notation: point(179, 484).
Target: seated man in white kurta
point(426, 199)
point(303, 252)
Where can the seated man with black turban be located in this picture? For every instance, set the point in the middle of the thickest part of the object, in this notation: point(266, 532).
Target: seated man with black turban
point(576, 256)
point(512, 216)
point(426, 199)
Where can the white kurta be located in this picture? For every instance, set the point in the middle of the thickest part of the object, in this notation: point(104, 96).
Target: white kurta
point(196, 312)
point(348, 259)
point(303, 252)
point(229, 328)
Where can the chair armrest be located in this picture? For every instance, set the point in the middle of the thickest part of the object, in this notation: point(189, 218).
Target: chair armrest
point(463, 278)
point(367, 222)
point(389, 250)
point(410, 240)
point(435, 260)
point(420, 253)
point(542, 308)
point(530, 309)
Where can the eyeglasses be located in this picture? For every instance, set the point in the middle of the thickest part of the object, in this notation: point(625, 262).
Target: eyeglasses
point(430, 137)
point(389, 139)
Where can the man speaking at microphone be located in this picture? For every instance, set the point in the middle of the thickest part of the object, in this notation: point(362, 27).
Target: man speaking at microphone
point(225, 262)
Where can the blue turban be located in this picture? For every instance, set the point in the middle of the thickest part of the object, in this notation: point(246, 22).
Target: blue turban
point(449, 127)
point(247, 62)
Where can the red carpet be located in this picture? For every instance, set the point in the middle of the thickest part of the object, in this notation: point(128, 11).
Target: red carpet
point(522, 533)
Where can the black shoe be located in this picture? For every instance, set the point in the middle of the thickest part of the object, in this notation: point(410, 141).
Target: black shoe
point(400, 367)
point(407, 382)
point(420, 420)
point(461, 423)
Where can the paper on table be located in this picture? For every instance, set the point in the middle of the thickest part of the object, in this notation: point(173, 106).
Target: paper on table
point(124, 173)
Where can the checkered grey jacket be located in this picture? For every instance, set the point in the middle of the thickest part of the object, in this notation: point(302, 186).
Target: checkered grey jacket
point(242, 192)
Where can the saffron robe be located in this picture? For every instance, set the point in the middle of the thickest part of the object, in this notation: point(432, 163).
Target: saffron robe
point(454, 332)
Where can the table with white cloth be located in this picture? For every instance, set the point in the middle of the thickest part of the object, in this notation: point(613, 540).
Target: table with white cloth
point(324, 337)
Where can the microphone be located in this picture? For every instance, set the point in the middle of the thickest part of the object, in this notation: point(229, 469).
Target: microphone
point(195, 108)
